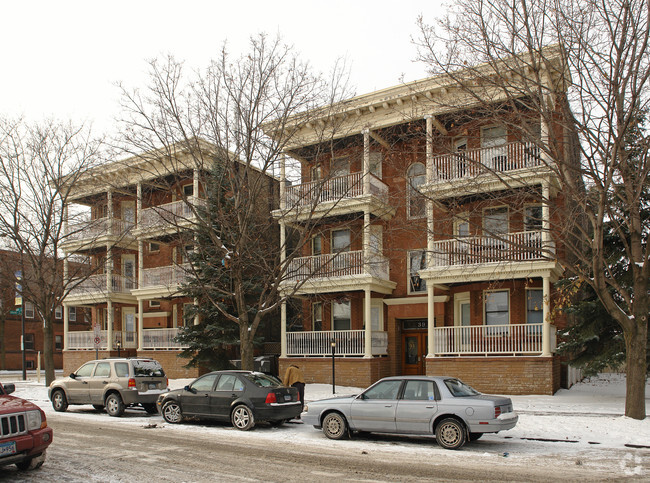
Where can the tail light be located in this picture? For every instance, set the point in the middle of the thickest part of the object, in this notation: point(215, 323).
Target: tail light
point(167, 382)
point(131, 382)
point(270, 398)
point(497, 411)
point(298, 396)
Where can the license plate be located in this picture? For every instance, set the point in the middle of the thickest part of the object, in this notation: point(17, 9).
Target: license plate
point(287, 397)
point(153, 385)
point(7, 448)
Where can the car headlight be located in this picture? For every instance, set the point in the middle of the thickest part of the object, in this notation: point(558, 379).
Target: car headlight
point(34, 420)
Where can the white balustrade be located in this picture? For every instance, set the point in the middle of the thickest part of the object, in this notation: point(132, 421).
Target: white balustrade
point(348, 343)
point(96, 284)
point(167, 276)
point(515, 247)
point(336, 265)
point(473, 162)
point(170, 213)
point(333, 189)
point(93, 229)
point(160, 339)
point(85, 340)
point(512, 339)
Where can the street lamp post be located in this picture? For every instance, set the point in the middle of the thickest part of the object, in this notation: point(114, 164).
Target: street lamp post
point(333, 344)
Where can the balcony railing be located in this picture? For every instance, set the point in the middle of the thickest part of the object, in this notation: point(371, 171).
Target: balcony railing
point(93, 229)
point(515, 247)
point(152, 339)
point(473, 162)
point(333, 189)
point(335, 265)
point(85, 340)
point(170, 214)
point(348, 343)
point(167, 276)
point(96, 284)
point(512, 339)
point(160, 339)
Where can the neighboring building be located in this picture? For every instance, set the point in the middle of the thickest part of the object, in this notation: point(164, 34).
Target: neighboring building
point(138, 232)
point(11, 320)
point(433, 251)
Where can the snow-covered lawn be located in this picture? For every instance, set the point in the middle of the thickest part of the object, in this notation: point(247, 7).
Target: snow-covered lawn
point(585, 423)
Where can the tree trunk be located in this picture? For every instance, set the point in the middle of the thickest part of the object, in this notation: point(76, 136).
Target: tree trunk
point(246, 348)
point(48, 352)
point(635, 348)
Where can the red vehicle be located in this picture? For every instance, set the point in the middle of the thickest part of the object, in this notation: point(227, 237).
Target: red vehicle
point(24, 434)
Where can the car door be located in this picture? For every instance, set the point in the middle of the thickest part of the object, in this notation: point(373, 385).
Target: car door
point(196, 401)
point(417, 407)
point(374, 409)
point(100, 379)
point(229, 387)
point(76, 387)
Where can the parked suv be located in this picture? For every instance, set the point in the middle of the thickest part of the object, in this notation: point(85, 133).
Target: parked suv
point(114, 384)
point(24, 434)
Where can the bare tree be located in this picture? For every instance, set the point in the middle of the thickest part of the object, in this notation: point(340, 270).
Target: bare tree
point(215, 123)
point(581, 66)
point(39, 164)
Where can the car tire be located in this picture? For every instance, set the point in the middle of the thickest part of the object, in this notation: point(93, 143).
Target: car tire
point(242, 417)
point(475, 436)
point(59, 401)
point(171, 412)
point(150, 408)
point(335, 426)
point(114, 405)
point(98, 407)
point(450, 433)
point(32, 463)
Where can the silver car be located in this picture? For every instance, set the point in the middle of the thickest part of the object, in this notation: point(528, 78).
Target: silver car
point(442, 406)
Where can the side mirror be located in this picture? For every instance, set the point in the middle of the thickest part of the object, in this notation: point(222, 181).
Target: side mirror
point(9, 388)
point(73, 375)
point(189, 389)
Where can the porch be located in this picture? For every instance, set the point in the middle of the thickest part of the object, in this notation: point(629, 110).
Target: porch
point(169, 215)
point(346, 343)
point(152, 339)
point(89, 232)
point(166, 276)
point(102, 284)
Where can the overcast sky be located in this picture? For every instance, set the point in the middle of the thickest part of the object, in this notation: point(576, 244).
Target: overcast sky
point(63, 58)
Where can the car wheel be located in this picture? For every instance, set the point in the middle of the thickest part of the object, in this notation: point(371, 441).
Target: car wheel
point(242, 417)
point(171, 412)
point(335, 426)
point(59, 401)
point(150, 408)
point(475, 436)
point(450, 434)
point(114, 405)
point(32, 463)
point(98, 407)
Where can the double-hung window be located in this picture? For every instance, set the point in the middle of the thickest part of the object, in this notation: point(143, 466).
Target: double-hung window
point(417, 262)
point(497, 310)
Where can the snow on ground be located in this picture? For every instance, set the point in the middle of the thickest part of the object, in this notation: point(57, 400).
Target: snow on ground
point(585, 422)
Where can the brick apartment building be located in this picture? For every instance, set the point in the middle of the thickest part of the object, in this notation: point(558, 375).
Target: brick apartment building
point(434, 247)
point(137, 232)
point(10, 318)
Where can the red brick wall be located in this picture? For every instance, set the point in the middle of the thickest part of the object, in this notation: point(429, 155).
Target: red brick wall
point(349, 371)
point(501, 375)
point(172, 363)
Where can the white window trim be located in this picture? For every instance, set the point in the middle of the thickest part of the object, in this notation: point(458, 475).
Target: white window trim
point(485, 292)
point(349, 245)
point(29, 310)
point(58, 312)
point(332, 314)
point(154, 304)
point(484, 218)
point(408, 272)
point(313, 315)
point(533, 205)
point(541, 309)
point(72, 314)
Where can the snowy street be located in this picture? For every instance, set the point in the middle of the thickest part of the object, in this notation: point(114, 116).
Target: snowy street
point(576, 434)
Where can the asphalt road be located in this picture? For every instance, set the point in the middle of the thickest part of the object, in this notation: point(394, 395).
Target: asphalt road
point(104, 451)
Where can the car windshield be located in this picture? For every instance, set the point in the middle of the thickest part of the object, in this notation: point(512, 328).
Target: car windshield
point(147, 369)
point(460, 389)
point(262, 380)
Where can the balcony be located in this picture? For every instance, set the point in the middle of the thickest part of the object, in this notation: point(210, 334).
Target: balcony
point(84, 340)
point(95, 286)
point(342, 271)
point(169, 217)
point(495, 168)
point(162, 281)
point(348, 343)
point(486, 340)
point(335, 196)
point(475, 257)
point(89, 233)
point(160, 339)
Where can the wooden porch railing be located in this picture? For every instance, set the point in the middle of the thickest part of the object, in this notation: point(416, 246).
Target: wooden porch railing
point(333, 189)
point(333, 265)
point(348, 343)
point(96, 284)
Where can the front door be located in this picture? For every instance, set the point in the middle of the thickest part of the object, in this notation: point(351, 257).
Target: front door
point(414, 346)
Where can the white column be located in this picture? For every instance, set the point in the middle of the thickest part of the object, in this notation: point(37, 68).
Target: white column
point(430, 241)
point(429, 147)
point(140, 324)
point(66, 310)
point(367, 310)
point(109, 205)
point(430, 319)
point(546, 313)
point(197, 319)
point(283, 307)
point(195, 183)
point(283, 183)
point(109, 325)
point(366, 161)
point(65, 220)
